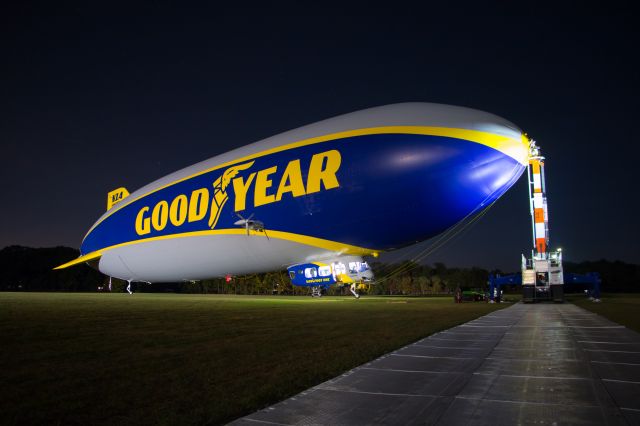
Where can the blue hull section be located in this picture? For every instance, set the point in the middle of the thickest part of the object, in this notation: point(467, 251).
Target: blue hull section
point(393, 190)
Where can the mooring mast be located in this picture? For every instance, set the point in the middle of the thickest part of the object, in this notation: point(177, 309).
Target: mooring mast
point(542, 275)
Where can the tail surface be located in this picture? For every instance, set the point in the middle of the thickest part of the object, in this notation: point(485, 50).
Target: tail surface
point(115, 196)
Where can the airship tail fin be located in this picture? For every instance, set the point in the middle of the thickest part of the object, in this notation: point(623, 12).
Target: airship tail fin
point(115, 196)
point(82, 259)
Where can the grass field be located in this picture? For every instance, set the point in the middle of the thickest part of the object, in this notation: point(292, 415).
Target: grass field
point(621, 308)
point(191, 359)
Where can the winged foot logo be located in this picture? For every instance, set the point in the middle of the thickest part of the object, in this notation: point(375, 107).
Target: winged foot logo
point(202, 202)
point(220, 195)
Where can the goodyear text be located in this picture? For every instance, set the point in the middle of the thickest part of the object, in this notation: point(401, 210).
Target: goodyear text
point(208, 202)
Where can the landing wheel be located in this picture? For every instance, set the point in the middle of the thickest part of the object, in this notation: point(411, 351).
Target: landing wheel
point(353, 289)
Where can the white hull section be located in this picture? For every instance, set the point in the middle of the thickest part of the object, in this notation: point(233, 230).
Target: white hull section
point(202, 257)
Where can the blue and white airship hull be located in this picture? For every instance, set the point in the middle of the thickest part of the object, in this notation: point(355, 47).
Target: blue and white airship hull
point(358, 184)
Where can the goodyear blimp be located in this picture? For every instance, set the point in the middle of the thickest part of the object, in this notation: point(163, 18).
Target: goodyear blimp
point(314, 200)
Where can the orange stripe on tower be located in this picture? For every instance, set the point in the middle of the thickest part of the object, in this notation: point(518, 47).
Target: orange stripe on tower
point(537, 179)
point(535, 166)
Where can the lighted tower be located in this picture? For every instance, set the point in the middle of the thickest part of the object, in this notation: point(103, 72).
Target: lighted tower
point(542, 276)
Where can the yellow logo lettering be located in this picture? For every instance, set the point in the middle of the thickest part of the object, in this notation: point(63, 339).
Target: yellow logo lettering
point(323, 171)
point(291, 181)
point(159, 215)
point(198, 204)
point(143, 224)
point(263, 183)
point(240, 189)
point(178, 210)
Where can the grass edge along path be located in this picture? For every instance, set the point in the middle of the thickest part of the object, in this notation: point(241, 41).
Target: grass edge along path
point(621, 308)
point(85, 358)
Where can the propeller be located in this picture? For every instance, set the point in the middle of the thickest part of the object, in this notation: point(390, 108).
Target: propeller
point(247, 223)
point(251, 224)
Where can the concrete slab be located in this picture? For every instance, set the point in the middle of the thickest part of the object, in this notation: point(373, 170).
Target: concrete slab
point(488, 412)
point(527, 364)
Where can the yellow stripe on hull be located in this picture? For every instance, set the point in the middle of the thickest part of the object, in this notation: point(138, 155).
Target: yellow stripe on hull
point(328, 245)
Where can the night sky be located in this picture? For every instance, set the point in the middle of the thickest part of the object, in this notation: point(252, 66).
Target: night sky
point(96, 98)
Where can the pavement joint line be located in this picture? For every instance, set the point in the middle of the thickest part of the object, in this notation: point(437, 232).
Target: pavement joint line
point(564, 404)
point(529, 349)
point(485, 326)
point(265, 422)
point(534, 360)
point(382, 393)
point(616, 363)
point(620, 381)
point(520, 333)
point(481, 336)
point(494, 319)
point(452, 340)
point(578, 318)
point(410, 371)
point(600, 326)
point(489, 324)
point(630, 409)
point(449, 347)
point(543, 340)
point(607, 350)
point(567, 326)
point(476, 373)
point(427, 356)
point(607, 343)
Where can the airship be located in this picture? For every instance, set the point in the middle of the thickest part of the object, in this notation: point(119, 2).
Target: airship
point(315, 200)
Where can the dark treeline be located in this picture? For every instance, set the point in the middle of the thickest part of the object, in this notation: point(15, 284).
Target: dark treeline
point(31, 269)
point(410, 278)
point(618, 277)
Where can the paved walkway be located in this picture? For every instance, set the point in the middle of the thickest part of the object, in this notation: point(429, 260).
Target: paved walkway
point(541, 364)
